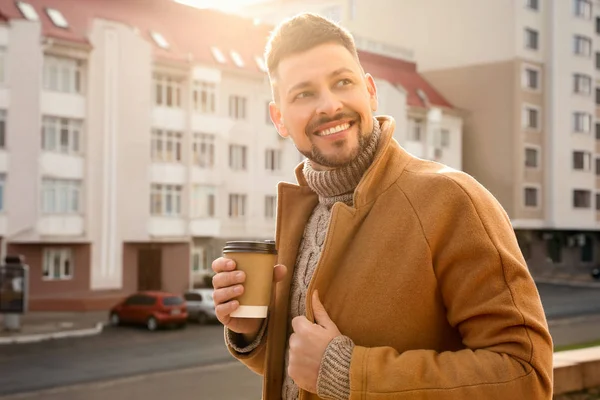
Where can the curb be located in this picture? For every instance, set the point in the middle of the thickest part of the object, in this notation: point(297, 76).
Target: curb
point(54, 335)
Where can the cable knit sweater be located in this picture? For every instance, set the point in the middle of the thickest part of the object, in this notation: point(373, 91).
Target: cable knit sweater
point(332, 186)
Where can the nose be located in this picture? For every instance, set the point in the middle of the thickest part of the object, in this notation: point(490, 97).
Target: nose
point(329, 103)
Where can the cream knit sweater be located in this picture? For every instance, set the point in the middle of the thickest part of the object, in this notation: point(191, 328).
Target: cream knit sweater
point(332, 186)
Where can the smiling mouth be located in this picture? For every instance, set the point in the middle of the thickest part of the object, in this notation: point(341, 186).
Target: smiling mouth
point(335, 129)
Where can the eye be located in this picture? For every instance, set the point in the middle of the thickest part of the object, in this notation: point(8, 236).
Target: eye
point(343, 82)
point(303, 95)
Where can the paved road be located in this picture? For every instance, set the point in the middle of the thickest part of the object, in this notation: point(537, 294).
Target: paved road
point(116, 353)
point(126, 352)
point(567, 301)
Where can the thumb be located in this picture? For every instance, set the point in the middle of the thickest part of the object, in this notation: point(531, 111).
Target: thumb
point(321, 316)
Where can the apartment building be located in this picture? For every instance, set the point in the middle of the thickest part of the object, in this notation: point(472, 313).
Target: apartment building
point(132, 148)
point(527, 74)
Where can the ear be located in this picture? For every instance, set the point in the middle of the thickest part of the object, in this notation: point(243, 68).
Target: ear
point(372, 89)
point(277, 119)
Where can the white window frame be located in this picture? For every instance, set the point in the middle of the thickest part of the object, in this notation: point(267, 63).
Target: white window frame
point(48, 266)
point(587, 161)
point(238, 206)
point(237, 58)
point(2, 192)
point(203, 150)
point(166, 146)
point(28, 11)
point(165, 193)
point(165, 86)
point(538, 188)
point(3, 118)
point(538, 156)
point(3, 69)
point(238, 157)
point(202, 205)
point(57, 18)
point(159, 39)
point(573, 199)
point(201, 254)
point(582, 46)
point(56, 129)
point(204, 97)
point(61, 196)
point(238, 107)
point(597, 198)
point(582, 9)
point(534, 33)
point(270, 207)
point(582, 84)
point(63, 74)
point(580, 120)
point(525, 117)
point(415, 125)
point(273, 159)
point(525, 77)
point(595, 166)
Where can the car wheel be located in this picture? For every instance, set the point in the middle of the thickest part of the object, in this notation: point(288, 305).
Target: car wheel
point(152, 324)
point(182, 325)
point(114, 319)
point(202, 318)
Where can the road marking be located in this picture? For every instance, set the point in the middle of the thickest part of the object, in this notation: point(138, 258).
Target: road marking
point(37, 394)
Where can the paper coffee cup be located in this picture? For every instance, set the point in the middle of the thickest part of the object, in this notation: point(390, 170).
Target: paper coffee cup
point(257, 260)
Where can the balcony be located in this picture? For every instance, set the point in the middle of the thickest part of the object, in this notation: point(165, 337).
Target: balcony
point(63, 104)
point(170, 174)
point(169, 118)
point(4, 161)
point(206, 123)
point(205, 227)
point(166, 226)
point(63, 166)
point(61, 225)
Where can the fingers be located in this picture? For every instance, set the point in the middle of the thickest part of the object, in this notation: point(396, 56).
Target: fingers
point(279, 273)
point(223, 264)
point(226, 279)
point(223, 311)
point(300, 324)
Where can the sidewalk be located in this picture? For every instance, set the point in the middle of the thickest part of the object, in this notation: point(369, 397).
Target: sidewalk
point(578, 279)
point(43, 325)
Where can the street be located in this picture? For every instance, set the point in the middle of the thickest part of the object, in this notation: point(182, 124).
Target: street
point(130, 363)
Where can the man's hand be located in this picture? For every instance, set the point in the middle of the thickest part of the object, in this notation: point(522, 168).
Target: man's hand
point(308, 344)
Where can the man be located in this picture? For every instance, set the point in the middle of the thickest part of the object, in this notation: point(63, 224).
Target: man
point(399, 278)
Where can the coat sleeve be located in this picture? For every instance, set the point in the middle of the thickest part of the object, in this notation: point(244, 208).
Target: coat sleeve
point(253, 355)
point(491, 299)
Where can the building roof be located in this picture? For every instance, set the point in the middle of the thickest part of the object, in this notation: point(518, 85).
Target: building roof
point(192, 32)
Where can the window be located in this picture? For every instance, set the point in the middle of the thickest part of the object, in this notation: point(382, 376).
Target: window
point(598, 60)
point(203, 149)
point(166, 146)
point(57, 18)
point(532, 4)
point(582, 8)
point(237, 205)
point(582, 160)
point(415, 130)
point(273, 160)
point(2, 64)
point(218, 55)
point(531, 78)
point(2, 129)
point(62, 74)
point(204, 97)
point(237, 157)
point(597, 130)
point(531, 197)
point(58, 264)
point(270, 207)
point(582, 45)
point(200, 263)
point(62, 135)
point(531, 39)
point(203, 203)
point(582, 122)
point(237, 59)
point(445, 138)
point(598, 96)
point(237, 107)
point(532, 157)
point(581, 198)
point(260, 62)
point(167, 91)
point(165, 200)
point(28, 11)
point(2, 186)
point(582, 84)
point(598, 25)
point(159, 40)
point(531, 117)
point(597, 166)
point(597, 201)
point(61, 196)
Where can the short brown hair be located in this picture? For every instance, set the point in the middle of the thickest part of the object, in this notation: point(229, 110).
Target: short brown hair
point(302, 33)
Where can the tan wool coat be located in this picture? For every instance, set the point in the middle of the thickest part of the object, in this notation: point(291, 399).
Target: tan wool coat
point(424, 274)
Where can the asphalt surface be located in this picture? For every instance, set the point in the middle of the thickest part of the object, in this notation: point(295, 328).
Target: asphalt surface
point(129, 352)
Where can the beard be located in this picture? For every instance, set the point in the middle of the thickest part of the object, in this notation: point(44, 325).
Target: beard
point(337, 160)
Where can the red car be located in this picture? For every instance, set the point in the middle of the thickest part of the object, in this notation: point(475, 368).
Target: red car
point(153, 309)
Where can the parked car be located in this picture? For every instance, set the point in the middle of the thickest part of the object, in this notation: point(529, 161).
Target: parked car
point(153, 309)
point(200, 305)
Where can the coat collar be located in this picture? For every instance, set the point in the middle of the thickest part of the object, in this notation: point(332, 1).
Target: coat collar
point(387, 166)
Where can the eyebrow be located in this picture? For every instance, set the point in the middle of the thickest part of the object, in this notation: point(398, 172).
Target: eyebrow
point(335, 73)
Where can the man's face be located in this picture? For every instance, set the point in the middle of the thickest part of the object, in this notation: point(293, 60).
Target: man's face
point(325, 103)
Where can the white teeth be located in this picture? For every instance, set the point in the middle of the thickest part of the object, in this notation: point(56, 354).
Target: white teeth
point(333, 130)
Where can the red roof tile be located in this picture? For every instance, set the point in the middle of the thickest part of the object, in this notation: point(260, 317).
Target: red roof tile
point(403, 73)
point(191, 31)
